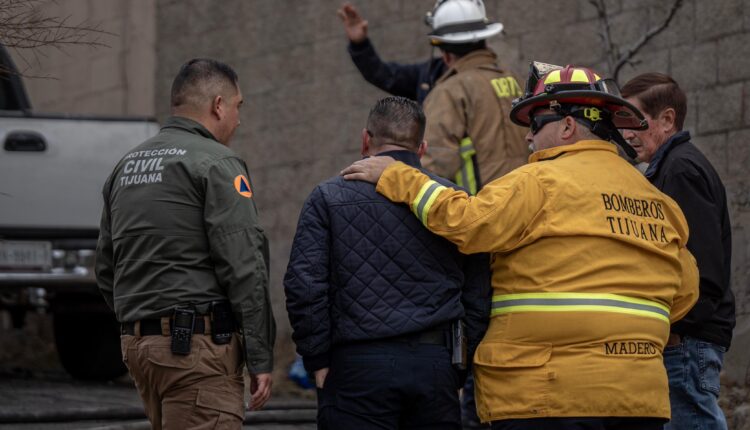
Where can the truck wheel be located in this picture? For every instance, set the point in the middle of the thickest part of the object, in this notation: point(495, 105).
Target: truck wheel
point(88, 344)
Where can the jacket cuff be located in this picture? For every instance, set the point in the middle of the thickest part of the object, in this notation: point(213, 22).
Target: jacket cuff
point(257, 363)
point(316, 362)
point(356, 48)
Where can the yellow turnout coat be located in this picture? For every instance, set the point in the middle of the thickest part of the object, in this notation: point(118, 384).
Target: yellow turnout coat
point(589, 268)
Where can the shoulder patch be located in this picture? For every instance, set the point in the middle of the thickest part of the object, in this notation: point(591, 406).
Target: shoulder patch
point(242, 185)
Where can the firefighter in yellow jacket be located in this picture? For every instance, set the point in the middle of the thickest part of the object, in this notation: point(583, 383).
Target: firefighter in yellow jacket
point(589, 263)
point(471, 140)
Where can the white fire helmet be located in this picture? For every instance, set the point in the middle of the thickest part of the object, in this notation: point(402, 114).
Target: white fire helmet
point(460, 21)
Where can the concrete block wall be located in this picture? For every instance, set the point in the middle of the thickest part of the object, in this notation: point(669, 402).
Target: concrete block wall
point(116, 79)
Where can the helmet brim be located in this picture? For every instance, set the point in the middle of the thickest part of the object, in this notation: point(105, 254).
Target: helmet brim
point(624, 114)
point(468, 36)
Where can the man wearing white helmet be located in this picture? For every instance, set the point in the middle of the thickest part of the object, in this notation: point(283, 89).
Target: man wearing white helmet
point(471, 140)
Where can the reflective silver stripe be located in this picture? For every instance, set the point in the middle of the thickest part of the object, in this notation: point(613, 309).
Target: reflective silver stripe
point(466, 147)
point(579, 302)
point(465, 175)
point(425, 198)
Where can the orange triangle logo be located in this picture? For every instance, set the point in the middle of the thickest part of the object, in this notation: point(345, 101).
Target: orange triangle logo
point(242, 185)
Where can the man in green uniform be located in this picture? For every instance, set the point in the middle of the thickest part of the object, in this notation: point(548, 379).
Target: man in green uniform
point(183, 263)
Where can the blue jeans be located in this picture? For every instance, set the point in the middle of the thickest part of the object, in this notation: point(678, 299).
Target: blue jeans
point(693, 368)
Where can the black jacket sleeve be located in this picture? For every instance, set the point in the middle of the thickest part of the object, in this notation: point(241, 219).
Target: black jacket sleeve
point(306, 284)
point(476, 298)
point(702, 209)
point(393, 78)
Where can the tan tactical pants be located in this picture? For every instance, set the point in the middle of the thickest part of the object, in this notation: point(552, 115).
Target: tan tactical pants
point(203, 390)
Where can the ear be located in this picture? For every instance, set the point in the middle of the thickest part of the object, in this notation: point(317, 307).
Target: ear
point(217, 107)
point(365, 143)
point(568, 127)
point(422, 149)
point(667, 119)
point(447, 57)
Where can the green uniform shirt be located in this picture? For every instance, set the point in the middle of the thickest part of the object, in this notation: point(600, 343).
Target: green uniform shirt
point(180, 226)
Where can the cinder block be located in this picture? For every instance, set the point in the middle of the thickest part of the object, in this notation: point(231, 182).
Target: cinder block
point(715, 19)
point(644, 62)
point(552, 44)
point(587, 11)
point(694, 66)
point(539, 16)
point(719, 108)
point(738, 149)
point(734, 58)
point(681, 29)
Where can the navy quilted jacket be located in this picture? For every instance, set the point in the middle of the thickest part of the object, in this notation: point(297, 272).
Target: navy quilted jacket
point(362, 267)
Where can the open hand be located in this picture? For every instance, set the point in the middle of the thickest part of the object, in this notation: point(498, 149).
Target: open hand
point(354, 25)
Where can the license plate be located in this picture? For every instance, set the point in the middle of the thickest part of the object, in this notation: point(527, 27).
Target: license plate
point(17, 255)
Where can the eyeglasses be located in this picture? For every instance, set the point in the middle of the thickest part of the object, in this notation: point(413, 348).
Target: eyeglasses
point(539, 121)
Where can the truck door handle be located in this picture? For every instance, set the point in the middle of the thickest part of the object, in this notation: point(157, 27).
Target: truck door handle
point(26, 141)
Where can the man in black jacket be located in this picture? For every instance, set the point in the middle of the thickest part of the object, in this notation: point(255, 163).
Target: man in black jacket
point(694, 354)
point(372, 294)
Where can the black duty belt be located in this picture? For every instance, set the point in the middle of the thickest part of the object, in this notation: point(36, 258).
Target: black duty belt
point(154, 327)
point(433, 336)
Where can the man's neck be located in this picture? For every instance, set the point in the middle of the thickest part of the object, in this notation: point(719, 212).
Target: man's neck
point(386, 148)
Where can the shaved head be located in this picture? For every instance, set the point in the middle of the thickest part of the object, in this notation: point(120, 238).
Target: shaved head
point(199, 81)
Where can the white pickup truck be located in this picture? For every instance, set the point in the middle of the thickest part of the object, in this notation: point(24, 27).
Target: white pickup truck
point(52, 168)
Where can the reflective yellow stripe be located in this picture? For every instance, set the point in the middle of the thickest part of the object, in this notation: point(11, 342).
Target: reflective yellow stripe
point(578, 302)
point(467, 177)
point(425, 198)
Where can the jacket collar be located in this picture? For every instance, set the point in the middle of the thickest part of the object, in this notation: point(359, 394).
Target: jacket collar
point(661, 153)
point(484, 58)
point(581, 145)
point(188, 125)
point(404, 156)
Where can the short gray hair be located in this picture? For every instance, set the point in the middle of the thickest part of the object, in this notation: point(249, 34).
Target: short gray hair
point(396, 121)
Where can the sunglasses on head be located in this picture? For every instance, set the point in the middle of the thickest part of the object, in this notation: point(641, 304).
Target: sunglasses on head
point(539, 121)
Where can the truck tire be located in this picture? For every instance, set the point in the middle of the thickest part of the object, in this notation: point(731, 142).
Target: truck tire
point(88, 344)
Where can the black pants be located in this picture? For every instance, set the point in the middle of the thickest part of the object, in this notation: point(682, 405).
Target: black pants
point(390, 385)
point(580, 424)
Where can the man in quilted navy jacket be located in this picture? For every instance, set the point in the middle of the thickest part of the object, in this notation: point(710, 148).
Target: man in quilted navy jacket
point(371, 295)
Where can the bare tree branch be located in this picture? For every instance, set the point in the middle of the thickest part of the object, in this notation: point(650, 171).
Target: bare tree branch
point(611, 52)
point(24, 27)
point(617, 58)
point(634, 48)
